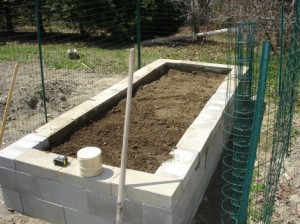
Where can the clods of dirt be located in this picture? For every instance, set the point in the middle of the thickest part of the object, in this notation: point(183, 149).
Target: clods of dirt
point(161, 112)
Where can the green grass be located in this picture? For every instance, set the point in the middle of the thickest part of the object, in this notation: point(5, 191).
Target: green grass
point(108, 60)
point(295, 132)
point(211, 52)
point(18, 52)
point(98, 59)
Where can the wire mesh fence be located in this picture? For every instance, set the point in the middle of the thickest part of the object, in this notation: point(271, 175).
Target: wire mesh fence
point(66, 49)
point(250, 175)
point(18, 44)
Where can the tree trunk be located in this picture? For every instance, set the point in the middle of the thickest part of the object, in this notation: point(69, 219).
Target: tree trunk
point(41, 23)
point(82, 29)
point(9, 20)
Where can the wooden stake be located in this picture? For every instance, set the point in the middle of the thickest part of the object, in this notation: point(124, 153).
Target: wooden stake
point(120, 199)
point(7, 106)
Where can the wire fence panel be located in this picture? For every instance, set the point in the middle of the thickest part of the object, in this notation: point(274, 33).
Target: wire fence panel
point(276, 123)
point(65, 50)
point(82, 43)
point(18, 43)
point(289, 85)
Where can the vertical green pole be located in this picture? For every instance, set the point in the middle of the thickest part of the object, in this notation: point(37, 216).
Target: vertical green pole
point(283, 123)
point(38, 25)
point(138, 31)
point(258, 114)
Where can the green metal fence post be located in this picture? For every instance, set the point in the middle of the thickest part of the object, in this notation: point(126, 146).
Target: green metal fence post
point(258, 115)
point(39, 35)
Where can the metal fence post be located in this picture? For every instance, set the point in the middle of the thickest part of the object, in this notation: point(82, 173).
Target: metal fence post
point(39, 35)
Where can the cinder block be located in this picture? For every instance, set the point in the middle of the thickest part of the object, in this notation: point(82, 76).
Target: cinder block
point(12, 199)
point(45, 210)
point(182, 213)
point(201, 131)
point(205, 115)
point(107, 97)
point(214, 100)
point(150, 72)
point(197, 177)
point(103, 182)
point(19, 182)
point(212, 162)
point(156, 215)
point(32, 141)
point(71, 174)
point(8, 154)
point(150, 188)
point(158, 64)
point(225, 84)
point(218, 68)
point(63, 194)
point(38, 163)
point(220, 96)
point(132, 213)
point(110, 96)
point(102, 205)
point(121, 86)
point(195, 138)
point(181, 166)
point(105, 207)
point(192, 65)
point(77, 217)
point(56, 130)
point(81, 111)
point(197, 198)
point(214, 107)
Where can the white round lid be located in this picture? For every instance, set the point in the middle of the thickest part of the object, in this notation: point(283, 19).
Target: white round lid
point(88, 153)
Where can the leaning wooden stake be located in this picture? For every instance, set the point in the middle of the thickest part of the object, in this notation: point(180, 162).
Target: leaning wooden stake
point(120, 200)
point(8, 102)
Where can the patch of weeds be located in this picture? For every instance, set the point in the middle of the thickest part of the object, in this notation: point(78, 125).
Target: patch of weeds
point(255, 205)
point(258, 188)
point(58, 65)
point(38, 93)
point(295, 132)
point(255, 174)
point(255, 214)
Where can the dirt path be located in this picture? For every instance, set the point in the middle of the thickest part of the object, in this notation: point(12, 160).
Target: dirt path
point(64, 90)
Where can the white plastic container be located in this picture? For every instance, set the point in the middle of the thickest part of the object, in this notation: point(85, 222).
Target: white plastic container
point(90, 161)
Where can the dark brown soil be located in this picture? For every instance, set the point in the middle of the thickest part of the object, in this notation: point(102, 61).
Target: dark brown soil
point(161, 112)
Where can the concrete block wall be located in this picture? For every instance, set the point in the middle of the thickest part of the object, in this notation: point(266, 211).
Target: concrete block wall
point(34, 186)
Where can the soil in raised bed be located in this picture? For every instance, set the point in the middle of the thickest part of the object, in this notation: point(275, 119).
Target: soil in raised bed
point(161, 112)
